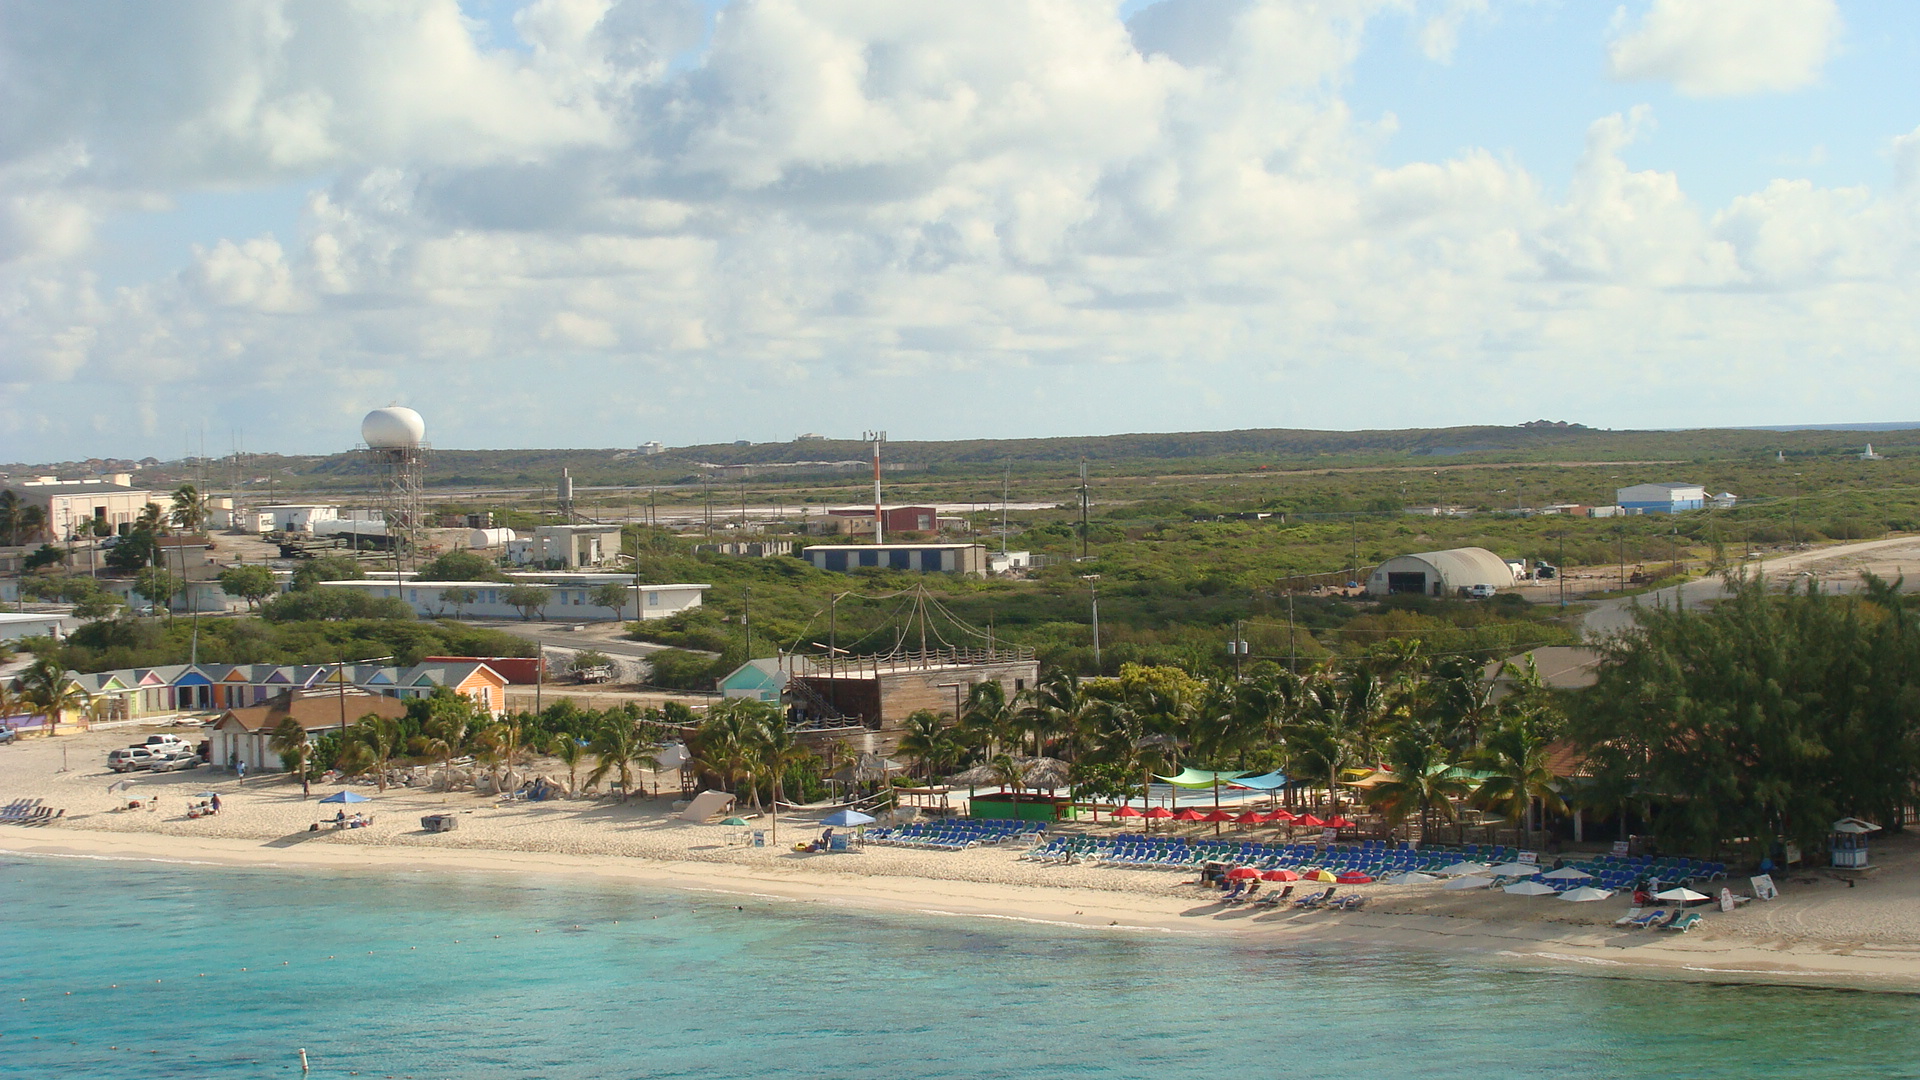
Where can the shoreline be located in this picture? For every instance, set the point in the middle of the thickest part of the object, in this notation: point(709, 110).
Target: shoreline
point(1528, 944)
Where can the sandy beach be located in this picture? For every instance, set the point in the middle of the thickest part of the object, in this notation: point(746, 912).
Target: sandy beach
point(1820, 931)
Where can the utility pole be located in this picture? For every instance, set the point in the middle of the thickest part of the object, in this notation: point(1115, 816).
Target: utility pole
point(1006, 493)
point(879, 518)
point(1239, 653)
point(1083, 508)
point(1093, 594)
point(746, 617)
point(1293, 648)
point(1561, 570)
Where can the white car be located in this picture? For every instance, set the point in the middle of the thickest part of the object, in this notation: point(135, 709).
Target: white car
point(1480, 592)
point(164, 744)
point(176, 761)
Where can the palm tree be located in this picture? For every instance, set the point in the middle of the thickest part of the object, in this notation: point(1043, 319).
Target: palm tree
point(1517, 757)
point(381, 737)
point(1423, 780)
point(725, 743)
point(189, 510)
point(46, 687)
point(988, 717)
point(928, 741)
point(620, 744)
point(446, 730)
point(777, 752)
point(1008, 772)
point(567, 748)
point(1054, 712)
point(1321, 736)
point(289, 740)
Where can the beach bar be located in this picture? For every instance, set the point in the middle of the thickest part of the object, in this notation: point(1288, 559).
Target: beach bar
point(1005, 805)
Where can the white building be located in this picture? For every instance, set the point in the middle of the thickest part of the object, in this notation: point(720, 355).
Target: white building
point(569, 596)
point(1660, 498)
point(566, 546)
point(73, 505)
point(1003, 562)
point(14, 626)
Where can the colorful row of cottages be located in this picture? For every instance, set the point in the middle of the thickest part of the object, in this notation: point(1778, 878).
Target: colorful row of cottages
point(135, 693)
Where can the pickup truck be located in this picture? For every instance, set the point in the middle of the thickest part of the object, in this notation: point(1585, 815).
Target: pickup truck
point(130, 759)
point(166, 743)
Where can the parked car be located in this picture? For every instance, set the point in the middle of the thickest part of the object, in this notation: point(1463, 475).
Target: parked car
point(176, 761)
point(130, 759)
point(168, 743)
point(7, 735)
point(1480, 592)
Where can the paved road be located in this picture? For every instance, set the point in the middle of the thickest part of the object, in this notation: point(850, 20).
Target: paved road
point(1609, 617)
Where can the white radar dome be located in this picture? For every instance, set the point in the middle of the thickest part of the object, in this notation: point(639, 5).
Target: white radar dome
point(392, 428)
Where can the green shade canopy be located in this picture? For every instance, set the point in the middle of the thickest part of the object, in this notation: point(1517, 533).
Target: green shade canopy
point(734, 821)
point(1199, 778)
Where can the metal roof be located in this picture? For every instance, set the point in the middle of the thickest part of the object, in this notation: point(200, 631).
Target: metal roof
point(1465, 566)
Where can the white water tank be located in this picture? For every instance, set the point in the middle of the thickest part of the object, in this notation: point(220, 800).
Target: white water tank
point(488, 538)
point(393, 428)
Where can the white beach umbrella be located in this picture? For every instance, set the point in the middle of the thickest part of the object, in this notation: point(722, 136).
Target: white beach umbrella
point(1514, 869)
point(1470, 882)
point(1681, 895)
point(1566, 873)
point(1464, 869)
point(1412, 877)
point(1529, 888)
point(1585, 894)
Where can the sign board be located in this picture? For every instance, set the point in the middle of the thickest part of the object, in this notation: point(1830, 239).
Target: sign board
point(1726, 899)
point(1793, 854)
point(1531, 858)
point(1622, 847)
point(1327, 835)
point(1763, 887)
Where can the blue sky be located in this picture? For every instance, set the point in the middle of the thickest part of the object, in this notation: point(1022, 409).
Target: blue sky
point(582, 222)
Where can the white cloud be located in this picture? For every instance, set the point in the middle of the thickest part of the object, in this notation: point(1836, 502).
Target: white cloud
point(843, 210)
point(1725, 48)
point(1440, 34)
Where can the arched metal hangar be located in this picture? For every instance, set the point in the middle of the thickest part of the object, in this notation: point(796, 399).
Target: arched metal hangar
point(1440, 573)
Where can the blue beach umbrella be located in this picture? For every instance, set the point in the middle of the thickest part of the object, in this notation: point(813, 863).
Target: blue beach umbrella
point(845, 818)
point(346, 797)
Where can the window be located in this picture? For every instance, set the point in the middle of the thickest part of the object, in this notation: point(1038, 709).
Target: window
point(1019, 685)
point(653, 599)
point(869, 558)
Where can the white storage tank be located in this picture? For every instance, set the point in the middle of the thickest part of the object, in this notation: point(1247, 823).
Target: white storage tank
point(488, 538)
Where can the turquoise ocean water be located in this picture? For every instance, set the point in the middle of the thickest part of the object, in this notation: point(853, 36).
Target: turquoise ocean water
point(149, 970)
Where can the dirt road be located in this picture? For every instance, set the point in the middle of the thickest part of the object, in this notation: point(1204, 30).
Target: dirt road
point(1837, 569)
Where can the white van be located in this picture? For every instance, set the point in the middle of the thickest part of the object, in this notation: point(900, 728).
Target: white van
point(1480, 592)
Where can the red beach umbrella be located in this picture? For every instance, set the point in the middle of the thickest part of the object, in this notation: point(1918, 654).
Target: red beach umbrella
point(1251, 817)
point(1189, 814)
point(1281, 816)
point(1126, 811)
point(1353, 877)
point(1242, 873)
point(1338, 822)
point(1159, 813)
point(1279, 875)
point(1309, 821)
point(1218, 815)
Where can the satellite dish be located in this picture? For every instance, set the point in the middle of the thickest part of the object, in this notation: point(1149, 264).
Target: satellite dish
point(393, 428)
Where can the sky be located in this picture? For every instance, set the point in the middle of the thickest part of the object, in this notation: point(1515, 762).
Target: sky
point(596, 223)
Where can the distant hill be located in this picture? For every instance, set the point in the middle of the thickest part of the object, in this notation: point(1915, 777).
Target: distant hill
point(1150, 452)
